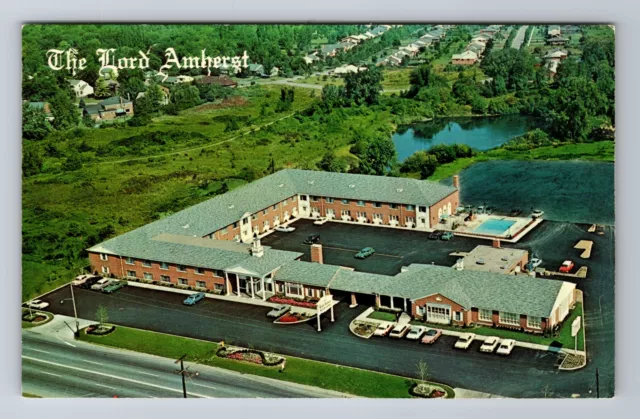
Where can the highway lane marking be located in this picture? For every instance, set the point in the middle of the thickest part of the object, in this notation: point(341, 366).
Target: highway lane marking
point(38, 350)
point(102, 385)
point(50, 373)
point(91, 362)
point(131, 380)
point(147, 373)
point(204, 385)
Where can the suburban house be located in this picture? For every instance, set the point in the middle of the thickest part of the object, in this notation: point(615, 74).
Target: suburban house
point(476, 47)
point(466, 58)
point(165, 95)
point(311, 58)
point(81, 88)
point(224, 81)
point(215, 246)
point(256, 69)
point(556, 54)
point(491, 30)
point(553, 31)
point(108, 109)
point(346, 69)
point(552, 68)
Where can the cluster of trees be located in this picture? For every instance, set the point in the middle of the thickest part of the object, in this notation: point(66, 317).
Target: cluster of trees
point(426, 162)
point(361, 88)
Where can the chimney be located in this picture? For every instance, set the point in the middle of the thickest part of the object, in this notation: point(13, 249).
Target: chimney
point(456, 181)
point(496, 243)
point(257, 250)
point(316, 253)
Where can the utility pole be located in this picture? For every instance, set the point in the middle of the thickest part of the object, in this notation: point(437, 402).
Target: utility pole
point(597, 384)
point(75, 312)
point(184, 373)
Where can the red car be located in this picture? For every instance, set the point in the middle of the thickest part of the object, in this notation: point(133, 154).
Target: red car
point(566, 267)
point(430, 336)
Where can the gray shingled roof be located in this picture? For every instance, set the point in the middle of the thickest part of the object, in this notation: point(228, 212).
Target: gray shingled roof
point(307, 273)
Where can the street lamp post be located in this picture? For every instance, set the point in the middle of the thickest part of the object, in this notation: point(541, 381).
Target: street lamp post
point(75, 312)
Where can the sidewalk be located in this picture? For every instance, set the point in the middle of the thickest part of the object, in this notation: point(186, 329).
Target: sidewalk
point(463, 393)
point(58, 328)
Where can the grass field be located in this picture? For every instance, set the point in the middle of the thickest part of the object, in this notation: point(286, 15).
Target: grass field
point(382, 315)
point(348, 380)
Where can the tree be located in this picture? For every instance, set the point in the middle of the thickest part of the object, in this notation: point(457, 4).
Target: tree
point(185, 96)
point(332, 97)
point(72, 162)
point(378, 156)
point(363, 87)
point(101, 90)
point(102, 315)
point(64, 112)
point(31, 161)
point(34, 123)
point(423, 370)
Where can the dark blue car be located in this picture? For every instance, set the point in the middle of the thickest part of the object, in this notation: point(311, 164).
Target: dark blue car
point(193, 298)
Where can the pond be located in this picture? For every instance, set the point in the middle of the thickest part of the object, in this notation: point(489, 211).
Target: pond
point(482, 133)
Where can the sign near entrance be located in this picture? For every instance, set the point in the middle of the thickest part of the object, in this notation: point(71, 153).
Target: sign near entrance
point(575, 326)
point(324, 303)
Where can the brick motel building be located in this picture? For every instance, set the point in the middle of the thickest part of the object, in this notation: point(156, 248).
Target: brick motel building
point(214, 247)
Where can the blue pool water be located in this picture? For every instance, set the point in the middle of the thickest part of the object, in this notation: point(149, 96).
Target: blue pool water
point(494, 226)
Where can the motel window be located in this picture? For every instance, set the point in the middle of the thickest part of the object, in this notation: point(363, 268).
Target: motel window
point(360, 203)
point(245, 221)
point(377, 205)
point(131, 274)
point(485, 315)
point(105, 269)
point(393, 206)
point(330, 211)
point(293, 199)
point(328, 200)
point(534, 322)
point(235, 225)
point(223, 231)
point(303, 197)
point(181, 268)
point(410, 207)
point(103, 256)
point(129, 261)
point(285, 201)
point(265, 224)
point(183, 281)
point(199, 271)
point(146, 263)
point(377, 216)
point(201, 284)
point(422, 209)
point(265, 211)
point(218, 287)
point(148, 276)
point(164, 265)
point(236, 237)
point(457, 316)
point(254, 216)
point(409, 220)
point(309, 292)
point(393, 218)
point(345, 212)
point(293, 289)
point(276, 219)
point(315, 198)
point(345, 201)
point(362, 214)
point(165, 278)
point(219, 273)
point(275, 207)
point(510, 318)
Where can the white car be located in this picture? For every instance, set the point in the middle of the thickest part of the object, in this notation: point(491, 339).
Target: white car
point(535, 262)
point(506, 347)
point(416, 332)
point(464, 341)
point(101, 284)
point(37, 304)
point(285, 229)
point(490, 344)
point(320, 221)
point(383, 329)
point(400, 331)
point(81, 279)
point(537, 214)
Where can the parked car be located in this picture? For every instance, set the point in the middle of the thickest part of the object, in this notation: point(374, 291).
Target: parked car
point(193, 298)
point(312, 239)
point(464, 341)
point(90, 282)
point(320, 221)
point(506, 347)
point(383, 329)
point(416, 332)
point(400, 331)
point(365, 253)
point(114, 286)
point(278, 311)
point(490, 344)
point(535, 262)
point(480, 261)
point(537, 214)
point(101, 284)
point(81, 279)
point(447, 235)
point(566, 266)
point(285, 229)
point(37, 304)
point(436, 235)
point(431, 335)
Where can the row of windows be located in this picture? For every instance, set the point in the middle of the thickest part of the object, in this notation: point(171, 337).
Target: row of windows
point(273, 208)
point(363, 203)
point(164, 266)
point(166, 278)
point(297, 290)
point(363, 214)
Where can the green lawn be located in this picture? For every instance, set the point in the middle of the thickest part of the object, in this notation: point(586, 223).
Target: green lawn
point(564, 337)
point(349, 380)
point(382, 315)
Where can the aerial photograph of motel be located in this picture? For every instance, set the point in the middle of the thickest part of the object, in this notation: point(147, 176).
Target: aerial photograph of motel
point(318, 211)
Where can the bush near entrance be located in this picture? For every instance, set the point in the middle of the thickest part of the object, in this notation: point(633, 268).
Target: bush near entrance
point(348, 380)
point(292, 302)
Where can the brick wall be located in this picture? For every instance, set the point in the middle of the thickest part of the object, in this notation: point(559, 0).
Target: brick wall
point(496, 321)
point(367, 207)
point(453, 199)
point(439, 299)
point(308, 291)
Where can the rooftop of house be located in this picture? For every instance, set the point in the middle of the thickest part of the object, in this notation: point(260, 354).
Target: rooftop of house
point(508, 293)
point(491, 259)
point(113, 100)
point(465, 55)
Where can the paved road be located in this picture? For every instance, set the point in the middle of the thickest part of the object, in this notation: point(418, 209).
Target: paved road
point(519, 38)
point(52, 367)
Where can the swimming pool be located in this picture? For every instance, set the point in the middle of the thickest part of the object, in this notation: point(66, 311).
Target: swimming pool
point(494, 226)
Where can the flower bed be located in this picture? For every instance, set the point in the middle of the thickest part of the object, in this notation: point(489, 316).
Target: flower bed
point(292, 302)
point(292, 317)
point(250, 355)
point(427, 391)
point(364, 329)
point(572, 361)
point(99, 330)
